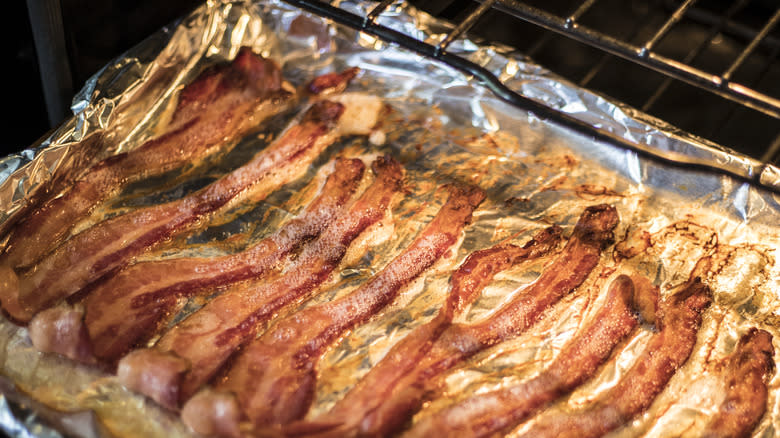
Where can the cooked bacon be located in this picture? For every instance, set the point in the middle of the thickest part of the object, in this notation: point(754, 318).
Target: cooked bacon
point(273, 378)
point(152, 370)
point(61, 330)
point(110, 245)
point(127, 309)
point(467, 282)
point(215, 415)
point(330, 83)
point(395, 387)
point(496, 411)
point(678, 322)
point(480, 267)
point(749, 369)
point(208, 337)
point(221, 105)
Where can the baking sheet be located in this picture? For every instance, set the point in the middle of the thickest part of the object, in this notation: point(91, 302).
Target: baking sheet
point(443, 127)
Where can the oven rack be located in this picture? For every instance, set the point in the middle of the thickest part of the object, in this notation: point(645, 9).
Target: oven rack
point(721, 85)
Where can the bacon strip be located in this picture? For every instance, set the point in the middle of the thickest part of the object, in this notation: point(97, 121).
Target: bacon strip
point(127, 309)
point(273, 379)
point(111, 244)
point(480, 267)
point(749, 369)
point(221, 105)
point(62, 331)
point(207, 338)
point(394, 388)
point(678, 320)
point(496, 411)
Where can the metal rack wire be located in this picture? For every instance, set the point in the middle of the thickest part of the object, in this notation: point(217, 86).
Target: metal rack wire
point(729, 59)
point(641, 47)
point(721, 84)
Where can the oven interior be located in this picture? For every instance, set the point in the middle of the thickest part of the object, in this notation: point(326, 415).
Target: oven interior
point(708, 67)
point(680, 61)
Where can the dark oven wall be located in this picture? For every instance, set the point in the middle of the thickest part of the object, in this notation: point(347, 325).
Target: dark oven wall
point(709, 36)
point(92, 34)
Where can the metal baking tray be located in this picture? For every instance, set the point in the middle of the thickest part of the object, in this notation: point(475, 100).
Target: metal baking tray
point(543, 149)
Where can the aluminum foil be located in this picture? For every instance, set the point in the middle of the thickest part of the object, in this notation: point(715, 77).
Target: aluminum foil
point(444, 126)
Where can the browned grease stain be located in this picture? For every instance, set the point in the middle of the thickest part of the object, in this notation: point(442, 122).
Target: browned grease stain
point(691, 231)
point(635, 242)
point(516, 200)
point(556, 184)
point(596, 190)
point(725, 256)
point(561, 162)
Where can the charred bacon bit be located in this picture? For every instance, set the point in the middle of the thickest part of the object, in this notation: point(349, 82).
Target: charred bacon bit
point(330, 83)
point(494, 412)
point(679, 320)
point(749, 369)
point(383, 400)
point(61, 330)
point(209, 336)
point(127, 309)
point(222, 104)
point(274, 378)
point(645, 299)
point(110, 245)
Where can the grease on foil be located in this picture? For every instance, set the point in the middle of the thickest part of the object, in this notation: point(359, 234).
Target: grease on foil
point(444, 127)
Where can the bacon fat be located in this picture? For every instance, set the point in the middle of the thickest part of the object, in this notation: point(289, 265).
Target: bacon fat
point(61, 330)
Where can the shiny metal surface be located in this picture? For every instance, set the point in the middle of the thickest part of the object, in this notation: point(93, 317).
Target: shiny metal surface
point(445, 125)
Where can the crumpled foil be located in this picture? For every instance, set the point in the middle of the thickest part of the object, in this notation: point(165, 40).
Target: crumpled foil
point(443, 126)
